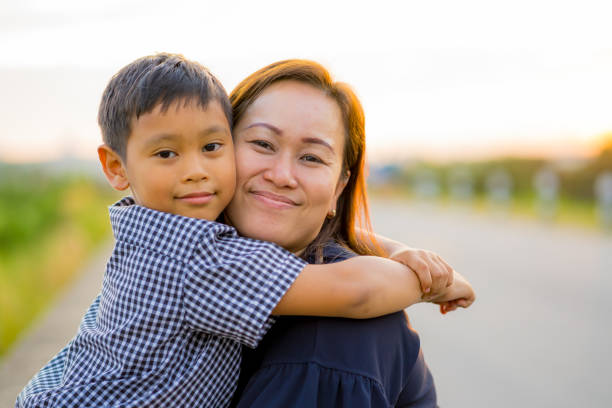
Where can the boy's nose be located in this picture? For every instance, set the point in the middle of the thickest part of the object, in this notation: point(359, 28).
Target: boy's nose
point(196, 176)
point(195, 170)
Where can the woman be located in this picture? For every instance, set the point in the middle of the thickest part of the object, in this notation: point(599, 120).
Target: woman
point(300, 143)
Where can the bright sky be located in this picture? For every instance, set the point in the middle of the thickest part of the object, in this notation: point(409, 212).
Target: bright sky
point(441, 79)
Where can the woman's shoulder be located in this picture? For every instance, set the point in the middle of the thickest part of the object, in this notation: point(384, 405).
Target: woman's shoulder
point(337, 253)
point(331, 252)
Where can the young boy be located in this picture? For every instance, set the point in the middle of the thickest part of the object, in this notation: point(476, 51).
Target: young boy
point(181, 292)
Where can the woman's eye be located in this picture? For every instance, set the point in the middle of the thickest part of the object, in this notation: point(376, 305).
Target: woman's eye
point(311, 158)
point(211, 147)
point(165, 154)
point(263, 144)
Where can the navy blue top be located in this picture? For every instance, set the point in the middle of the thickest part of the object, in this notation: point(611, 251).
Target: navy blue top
point(335, 362)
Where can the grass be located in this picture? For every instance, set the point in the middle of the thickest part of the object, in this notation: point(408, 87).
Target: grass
point(46, 234)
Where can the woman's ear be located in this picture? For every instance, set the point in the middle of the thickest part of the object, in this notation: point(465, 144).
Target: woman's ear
point(342, 182)
point(113, 168)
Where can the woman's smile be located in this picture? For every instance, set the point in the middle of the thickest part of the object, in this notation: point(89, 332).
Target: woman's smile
point(273, 200)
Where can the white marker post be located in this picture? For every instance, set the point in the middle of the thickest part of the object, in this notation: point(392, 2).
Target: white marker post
point(499, 186)
point(603, 193)
point(546, 184)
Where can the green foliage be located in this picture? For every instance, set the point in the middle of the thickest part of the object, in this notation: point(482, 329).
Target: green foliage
point(48, 226)
point(576, 201)
point(27, 212)
point(576, 180)
point(578, 184)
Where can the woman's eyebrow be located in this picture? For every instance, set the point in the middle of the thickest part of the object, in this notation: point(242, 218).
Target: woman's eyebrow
point(316, 140)
point(267, 126)
point(311, 140)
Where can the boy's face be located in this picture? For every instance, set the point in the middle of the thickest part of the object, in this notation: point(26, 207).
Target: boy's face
point(181, 161)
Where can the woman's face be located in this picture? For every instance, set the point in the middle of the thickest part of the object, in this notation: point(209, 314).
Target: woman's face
point(289, 147)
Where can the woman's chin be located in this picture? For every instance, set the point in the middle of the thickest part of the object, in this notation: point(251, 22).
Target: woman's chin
point(264, 232)
point(268, 234)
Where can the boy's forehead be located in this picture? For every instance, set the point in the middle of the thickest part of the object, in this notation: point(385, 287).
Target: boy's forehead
point(185, 102)
point(163, 108)
point(183, 112)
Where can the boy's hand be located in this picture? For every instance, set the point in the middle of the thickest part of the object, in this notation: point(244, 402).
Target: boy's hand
point(459, 294)
point(433, 272)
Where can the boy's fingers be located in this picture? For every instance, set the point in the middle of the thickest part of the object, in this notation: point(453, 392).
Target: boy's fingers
point(424, 275)
point(438, 276)
point(444, 273)
point(467, 302)
point(449, 270)
point(452, 306)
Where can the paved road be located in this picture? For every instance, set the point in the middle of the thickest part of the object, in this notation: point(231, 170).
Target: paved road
point(52, 331)
point(538, 335)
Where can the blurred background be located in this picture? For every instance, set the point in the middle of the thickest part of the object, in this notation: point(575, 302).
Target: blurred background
point(489, 141)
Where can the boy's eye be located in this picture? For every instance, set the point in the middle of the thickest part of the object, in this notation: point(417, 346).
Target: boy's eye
point(165, 154)
point(211, 147)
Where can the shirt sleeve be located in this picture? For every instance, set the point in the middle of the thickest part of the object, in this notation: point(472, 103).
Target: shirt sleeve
point(233, 284)
point(50, 376)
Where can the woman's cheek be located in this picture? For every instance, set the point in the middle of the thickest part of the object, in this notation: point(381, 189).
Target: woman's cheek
point(322, 185)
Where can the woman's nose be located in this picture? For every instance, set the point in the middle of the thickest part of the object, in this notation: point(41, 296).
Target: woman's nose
point(281, 172)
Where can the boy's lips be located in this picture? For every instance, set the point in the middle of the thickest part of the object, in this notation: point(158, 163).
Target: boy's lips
point(197, 198)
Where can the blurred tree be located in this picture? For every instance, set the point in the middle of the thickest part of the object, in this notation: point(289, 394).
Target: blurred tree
point(578, 184)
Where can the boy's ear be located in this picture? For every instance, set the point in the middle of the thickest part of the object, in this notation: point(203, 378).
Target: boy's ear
point(113, 168)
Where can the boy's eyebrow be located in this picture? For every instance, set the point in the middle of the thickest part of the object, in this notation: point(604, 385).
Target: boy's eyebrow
point(312, 140)
point(161, 137)
point(153, 140)
point(213, 129)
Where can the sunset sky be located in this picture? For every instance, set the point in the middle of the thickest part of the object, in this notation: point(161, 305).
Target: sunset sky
point(438, 79)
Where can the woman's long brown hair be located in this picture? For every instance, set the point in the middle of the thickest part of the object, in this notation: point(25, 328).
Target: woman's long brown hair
point(352, 207)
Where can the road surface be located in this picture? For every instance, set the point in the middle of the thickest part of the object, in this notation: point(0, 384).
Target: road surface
point(540, 331)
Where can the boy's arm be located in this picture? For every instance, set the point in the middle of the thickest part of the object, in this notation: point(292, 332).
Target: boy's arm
point(459, 294)
point(360, 287)
point(363, 287)
point(433, 272)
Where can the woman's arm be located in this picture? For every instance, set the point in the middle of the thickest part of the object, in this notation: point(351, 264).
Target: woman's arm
point(360, 288)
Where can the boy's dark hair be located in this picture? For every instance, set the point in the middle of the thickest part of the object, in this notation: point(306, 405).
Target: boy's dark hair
point(155, 79)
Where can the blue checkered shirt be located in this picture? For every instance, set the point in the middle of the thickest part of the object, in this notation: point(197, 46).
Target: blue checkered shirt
point(179, 299)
